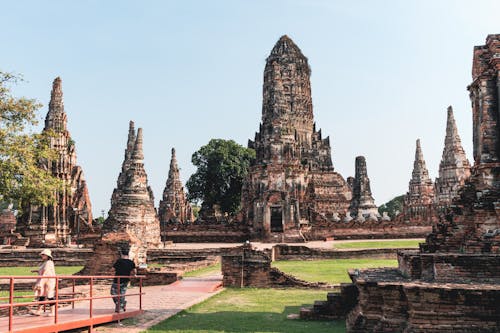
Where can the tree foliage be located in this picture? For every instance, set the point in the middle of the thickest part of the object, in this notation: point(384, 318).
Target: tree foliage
point(221, 167)
point(22, 179)
point(393, 206)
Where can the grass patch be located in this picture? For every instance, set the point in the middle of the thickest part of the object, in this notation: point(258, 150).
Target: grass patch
point(332, 271)
point(250, 310)
point(209, 270)
point(4, 294)
point(60, 270)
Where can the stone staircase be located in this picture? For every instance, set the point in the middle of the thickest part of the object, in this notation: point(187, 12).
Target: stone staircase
point(294, 236)
point(336, 306)
point(288, 236)
point(21, 241)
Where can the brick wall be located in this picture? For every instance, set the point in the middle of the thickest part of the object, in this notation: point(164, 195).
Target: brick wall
point(438, 267)
point(244, 267)
point(297, 252)
point(425, 307)
point(31, 257)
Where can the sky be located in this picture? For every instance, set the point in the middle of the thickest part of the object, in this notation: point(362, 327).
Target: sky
point(383, 74)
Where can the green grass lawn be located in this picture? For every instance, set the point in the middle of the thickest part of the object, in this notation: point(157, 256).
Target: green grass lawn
point(209, 270)
point(332, 271)
point(250, 310)
point(60, 270)
point(7, 271)
point(380, 244)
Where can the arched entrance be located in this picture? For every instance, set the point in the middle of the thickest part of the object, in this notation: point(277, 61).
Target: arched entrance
point(276, 218)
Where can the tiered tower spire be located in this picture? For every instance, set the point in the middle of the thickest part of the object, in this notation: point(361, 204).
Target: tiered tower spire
point(132, 210)
point(56, 118)
point(454, 168)
point(71, 215)
point(418, 202)
point(174, 207)
point(362, 199)
point(292, 182)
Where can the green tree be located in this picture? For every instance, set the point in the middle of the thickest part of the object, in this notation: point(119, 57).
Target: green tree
point(221, 167)
point(22, 153)
point(392, 207)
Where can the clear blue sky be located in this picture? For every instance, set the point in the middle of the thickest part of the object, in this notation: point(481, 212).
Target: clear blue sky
point(383, 74)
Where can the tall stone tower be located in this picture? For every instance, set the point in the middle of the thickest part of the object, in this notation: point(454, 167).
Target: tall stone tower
point(71, 215)
point(419, 200)
point(292, 182)
point(174, 207)
point(132, 212)
point(454, 168)
point(362, 199)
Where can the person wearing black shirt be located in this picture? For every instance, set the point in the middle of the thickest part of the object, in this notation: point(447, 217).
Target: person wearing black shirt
point(123, 267)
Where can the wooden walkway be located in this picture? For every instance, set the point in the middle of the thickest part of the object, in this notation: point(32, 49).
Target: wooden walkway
point(103, 311)
point(67, 319)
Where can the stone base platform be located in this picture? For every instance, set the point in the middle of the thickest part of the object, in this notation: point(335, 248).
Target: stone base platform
point(389, 302)
point(435, 292)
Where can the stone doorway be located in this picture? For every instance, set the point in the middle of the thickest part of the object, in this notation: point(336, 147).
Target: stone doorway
point(276, 219)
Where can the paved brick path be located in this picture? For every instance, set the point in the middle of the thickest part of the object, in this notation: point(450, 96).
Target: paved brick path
point(162, 302)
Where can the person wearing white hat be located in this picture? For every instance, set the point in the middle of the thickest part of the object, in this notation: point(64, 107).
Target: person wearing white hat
point(45, 287)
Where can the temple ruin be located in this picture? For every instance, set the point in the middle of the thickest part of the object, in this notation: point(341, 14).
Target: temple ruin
point(132, 221)
point(132, 204)
point(426, 200)
point(362, 202)
point(452, 283)
point(418, 205)
point(174, 206)
point(71, 215)
point(292, 182)
point(454, 168)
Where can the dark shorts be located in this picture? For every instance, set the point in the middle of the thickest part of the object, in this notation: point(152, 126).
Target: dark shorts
point(43, 298)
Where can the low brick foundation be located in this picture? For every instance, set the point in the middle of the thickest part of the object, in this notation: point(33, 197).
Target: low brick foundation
point(298, 252)
point(388, 302)
point(31, 257)
point(205, 233)
point(377, 231)
point(450, 267)
point(155, 277)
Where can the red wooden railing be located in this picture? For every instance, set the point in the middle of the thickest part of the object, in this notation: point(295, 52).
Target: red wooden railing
point(13, 299)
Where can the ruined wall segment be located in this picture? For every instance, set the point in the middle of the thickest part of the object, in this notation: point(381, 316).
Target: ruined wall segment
point(71, 215)
point(454, 168)
point(485, 112)
point(292, 181)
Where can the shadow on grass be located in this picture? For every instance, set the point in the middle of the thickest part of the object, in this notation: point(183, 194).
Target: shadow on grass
point(239, 321)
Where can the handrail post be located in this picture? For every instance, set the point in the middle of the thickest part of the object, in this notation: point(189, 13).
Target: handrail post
point(73, 294)
point(140, 293)
point(11, 301)
point(91, 295)
point(56, 306)
point(119, 304)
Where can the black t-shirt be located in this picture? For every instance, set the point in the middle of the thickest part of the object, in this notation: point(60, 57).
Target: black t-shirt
point(123, 267)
